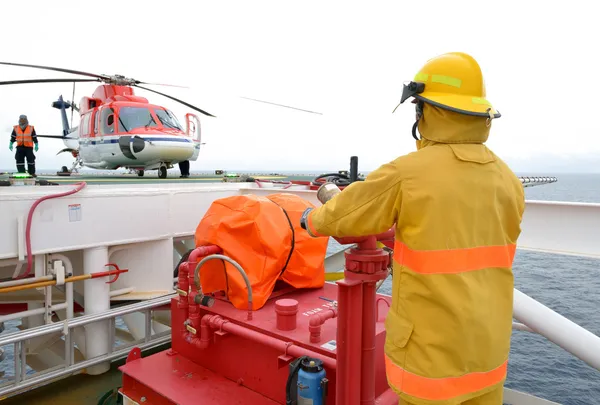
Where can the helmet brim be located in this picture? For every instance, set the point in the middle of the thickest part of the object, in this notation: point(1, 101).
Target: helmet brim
point(468, 105)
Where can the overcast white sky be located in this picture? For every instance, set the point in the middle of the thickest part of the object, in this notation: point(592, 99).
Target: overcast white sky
point(346, 61)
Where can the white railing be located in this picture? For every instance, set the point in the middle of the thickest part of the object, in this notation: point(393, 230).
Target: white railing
point(58, 273)
point(23, 381)
point(559, 330)
point(530, 181)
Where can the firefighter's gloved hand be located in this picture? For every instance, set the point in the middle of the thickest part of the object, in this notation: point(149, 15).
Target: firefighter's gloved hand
point(304, 217)
point(36, 147)
point(10, 145)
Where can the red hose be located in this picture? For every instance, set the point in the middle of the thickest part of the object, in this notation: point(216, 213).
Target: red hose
point(30, 216)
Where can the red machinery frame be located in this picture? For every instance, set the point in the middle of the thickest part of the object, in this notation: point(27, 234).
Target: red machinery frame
point(222, 355)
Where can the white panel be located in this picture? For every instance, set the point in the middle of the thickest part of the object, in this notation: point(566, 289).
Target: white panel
point(116, 214)
point(106, 215)
point(561, 227)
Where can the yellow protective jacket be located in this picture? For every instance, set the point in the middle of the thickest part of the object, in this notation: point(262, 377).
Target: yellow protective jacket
point(457, 209)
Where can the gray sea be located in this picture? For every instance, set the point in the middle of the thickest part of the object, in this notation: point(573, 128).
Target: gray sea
point(568, 285)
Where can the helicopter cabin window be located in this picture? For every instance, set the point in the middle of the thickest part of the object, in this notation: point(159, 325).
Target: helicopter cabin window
point(96, 122)
point(107, 119)
point(85, 125)
point(168, 119)
point(135, 117)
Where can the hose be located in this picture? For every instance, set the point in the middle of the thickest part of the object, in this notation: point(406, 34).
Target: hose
point(78, 187)
point(288, 384)
point(108, 397)
point(232, 262)
point(338, 179)
point(183, 259)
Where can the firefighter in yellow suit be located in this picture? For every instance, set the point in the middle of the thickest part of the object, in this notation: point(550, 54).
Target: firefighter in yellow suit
point(457, 210)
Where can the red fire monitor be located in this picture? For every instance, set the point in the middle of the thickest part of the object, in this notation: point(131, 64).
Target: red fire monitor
point(225, 356)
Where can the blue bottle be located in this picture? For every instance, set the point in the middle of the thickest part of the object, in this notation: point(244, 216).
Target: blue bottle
point(312, 384)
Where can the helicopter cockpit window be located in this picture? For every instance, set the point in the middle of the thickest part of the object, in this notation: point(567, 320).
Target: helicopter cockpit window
point(135, 117)
point(107, 118)
point(168, 119)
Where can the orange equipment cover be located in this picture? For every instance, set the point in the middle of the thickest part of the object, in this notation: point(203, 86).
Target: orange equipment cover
point(264, 236)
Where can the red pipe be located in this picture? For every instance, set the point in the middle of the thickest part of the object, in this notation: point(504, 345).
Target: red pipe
point(202, 251)
point(216, 322)
point(367, 242)
point(203, 341)
point(192, 310)
point(317, 320)
point(184, 285)
point(194, 258)
point(367, 378)
point(349, 342)
point(380, 299)
point(78, 187)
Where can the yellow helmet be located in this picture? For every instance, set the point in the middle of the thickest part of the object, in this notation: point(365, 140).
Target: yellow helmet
point(452, 81)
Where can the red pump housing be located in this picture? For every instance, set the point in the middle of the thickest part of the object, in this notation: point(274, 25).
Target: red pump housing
point(221, 355)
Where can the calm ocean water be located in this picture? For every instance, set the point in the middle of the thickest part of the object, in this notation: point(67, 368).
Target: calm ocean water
point(567, 285)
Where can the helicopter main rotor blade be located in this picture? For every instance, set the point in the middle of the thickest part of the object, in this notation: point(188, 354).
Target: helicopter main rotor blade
point(178, 100)
point(101, 77)
point(282, 105)
point(46, 81)
point(76, 72)
point(162, 84)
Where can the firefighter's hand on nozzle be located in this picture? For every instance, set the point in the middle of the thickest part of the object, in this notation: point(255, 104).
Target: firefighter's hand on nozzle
point(304, 217)
point(325, 193)
point(10, 145)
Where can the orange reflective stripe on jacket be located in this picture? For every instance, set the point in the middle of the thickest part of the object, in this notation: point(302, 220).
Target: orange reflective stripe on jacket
point(453, 260)
point(24, 138)
point(439, 389)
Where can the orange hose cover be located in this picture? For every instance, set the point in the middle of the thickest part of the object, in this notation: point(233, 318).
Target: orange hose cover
point(255, 232)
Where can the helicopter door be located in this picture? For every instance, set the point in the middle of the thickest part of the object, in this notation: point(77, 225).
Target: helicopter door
point(107, 124)
point(192, 128)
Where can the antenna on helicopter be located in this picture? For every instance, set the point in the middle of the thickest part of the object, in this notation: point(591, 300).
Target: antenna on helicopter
point(117, 80)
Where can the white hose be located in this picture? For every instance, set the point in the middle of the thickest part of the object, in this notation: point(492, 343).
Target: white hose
point(227, 259)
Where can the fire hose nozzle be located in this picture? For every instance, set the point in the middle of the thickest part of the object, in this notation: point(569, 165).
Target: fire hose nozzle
point(327, 191)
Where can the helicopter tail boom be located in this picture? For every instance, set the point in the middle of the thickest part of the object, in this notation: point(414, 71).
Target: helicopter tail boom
point(62, 106)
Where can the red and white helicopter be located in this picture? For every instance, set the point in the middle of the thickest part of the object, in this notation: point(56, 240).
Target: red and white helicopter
point(118, 129)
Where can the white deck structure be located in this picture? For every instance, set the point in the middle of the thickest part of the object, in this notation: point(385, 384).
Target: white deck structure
point(145, 228)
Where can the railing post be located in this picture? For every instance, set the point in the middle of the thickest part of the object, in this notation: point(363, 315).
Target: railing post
point(96, 300)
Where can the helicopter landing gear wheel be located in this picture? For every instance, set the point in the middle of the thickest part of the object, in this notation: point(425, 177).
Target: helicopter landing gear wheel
point(162, 172)
point(140, 173)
